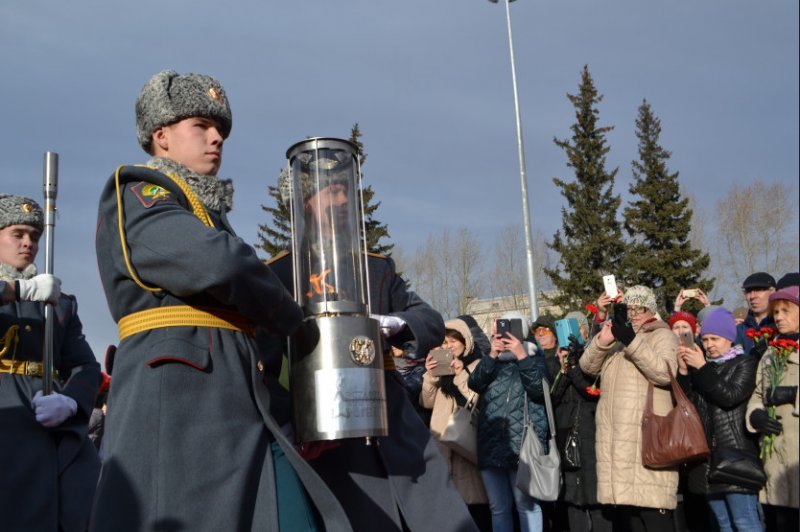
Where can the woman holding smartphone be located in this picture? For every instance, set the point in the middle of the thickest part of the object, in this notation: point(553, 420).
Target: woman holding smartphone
point(720, 383)
point(444, 389)
point(684, 325)
point(508, 378)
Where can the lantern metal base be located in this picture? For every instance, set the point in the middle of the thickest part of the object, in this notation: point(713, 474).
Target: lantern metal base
point(338, 390)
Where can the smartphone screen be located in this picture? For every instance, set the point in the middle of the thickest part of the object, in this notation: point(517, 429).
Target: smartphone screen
point(687, 339)
point(565, 328)
point(610, 285)
point(504, 326)
point(443, 357)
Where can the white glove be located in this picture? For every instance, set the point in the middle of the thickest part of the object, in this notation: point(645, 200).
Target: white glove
point(390, 325)
point(43, 287)
point(52, 410)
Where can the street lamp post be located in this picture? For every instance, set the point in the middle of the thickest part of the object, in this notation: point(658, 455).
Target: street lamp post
point(534, 307)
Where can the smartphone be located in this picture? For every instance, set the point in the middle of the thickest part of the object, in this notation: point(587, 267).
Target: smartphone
point(610, 284)
point(503, 326)
point(690, 293)
point(443, 357)
point(565, 328)
point(687, 339)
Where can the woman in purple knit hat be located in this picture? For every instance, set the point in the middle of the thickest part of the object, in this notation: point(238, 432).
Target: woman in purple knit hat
point(720, 383)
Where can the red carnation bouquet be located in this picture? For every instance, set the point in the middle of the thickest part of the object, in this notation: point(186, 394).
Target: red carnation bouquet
point(591, 312)
point(774, 368)
point(760, 336)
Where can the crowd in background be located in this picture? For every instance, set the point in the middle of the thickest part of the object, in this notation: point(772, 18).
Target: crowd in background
point(738, 367)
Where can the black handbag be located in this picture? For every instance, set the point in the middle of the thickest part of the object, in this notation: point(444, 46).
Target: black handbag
point(739, 468)
point(572, 446)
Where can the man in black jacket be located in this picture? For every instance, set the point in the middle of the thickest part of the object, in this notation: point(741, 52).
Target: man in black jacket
point(400, 481)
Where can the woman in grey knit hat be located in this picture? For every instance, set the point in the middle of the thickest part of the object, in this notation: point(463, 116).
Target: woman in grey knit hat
point(630, 351)
point(50, 466)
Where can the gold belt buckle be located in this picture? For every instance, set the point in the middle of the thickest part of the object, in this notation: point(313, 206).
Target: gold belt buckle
point(34, 369)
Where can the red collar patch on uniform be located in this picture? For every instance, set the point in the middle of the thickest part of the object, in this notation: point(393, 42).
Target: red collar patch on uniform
point(150, 194)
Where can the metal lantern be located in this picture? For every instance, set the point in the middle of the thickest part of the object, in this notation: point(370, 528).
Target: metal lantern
point(338, 389)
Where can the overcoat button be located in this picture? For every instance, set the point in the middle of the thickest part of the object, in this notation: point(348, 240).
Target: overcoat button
point(260, 366)
point(27, 328)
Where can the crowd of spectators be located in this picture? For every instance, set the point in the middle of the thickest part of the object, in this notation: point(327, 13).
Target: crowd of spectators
point(738, 366)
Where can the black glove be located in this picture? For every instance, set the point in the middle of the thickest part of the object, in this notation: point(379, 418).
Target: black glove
point(620, 326)
point(765, 424)
point(780, 395)
point(305, 338)
point(574, 351)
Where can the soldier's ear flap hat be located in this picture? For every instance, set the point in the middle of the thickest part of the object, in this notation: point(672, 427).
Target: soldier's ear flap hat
point(169, 97)
point(20, 210)
point(331, 166)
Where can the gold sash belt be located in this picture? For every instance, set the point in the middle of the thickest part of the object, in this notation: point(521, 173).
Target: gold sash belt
point(23, 367)
point(183, 316)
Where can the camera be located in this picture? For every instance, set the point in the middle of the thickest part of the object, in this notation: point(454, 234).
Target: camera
point(690, 293)
point(503, 326)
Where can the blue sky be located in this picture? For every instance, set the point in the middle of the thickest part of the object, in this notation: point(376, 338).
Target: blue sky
point(428, 82)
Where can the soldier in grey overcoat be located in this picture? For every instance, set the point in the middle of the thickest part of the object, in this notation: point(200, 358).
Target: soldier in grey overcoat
point(189, 433)
point(400, 482)
point(49, 467)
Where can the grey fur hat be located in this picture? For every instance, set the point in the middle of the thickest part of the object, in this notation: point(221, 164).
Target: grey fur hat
point(332, 166)
point(20, 210)
point(169, 97)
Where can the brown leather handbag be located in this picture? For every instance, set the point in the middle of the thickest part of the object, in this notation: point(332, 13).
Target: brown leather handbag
point(675, 438)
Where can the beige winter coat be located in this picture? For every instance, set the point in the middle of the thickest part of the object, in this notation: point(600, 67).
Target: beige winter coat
point(624, 376)
point(465, 474)
point(782, 468)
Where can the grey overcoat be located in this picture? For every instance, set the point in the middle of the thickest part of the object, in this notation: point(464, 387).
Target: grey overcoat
point(47, 476)
point(188, 430)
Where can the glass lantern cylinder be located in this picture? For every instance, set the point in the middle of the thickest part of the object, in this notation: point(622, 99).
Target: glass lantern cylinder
point(338, 389)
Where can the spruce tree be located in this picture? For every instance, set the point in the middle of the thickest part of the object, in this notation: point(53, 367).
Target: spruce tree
point(277, 237)
point(658, 221)
point(374, 229)
point(589, 243)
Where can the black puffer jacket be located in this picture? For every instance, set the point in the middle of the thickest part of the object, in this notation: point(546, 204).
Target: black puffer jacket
point(502, 387)
point(721, 392)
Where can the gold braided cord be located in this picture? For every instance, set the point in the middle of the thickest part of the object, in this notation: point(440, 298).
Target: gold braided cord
point(182, 316)
point(121, 226)
point(11, 336)
point(197, 207)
